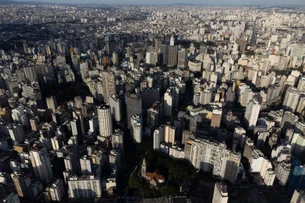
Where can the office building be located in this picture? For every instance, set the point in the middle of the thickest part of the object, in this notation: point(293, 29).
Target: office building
point(163, 55)
point(133, 105)
point(172, 56)
point(182, 58)
point(105, 121)
point(108, 84)
point(41, 164)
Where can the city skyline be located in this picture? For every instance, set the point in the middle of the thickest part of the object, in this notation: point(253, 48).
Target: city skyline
point(168, 2)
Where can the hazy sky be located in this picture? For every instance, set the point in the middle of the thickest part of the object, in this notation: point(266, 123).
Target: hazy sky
point(204, 2)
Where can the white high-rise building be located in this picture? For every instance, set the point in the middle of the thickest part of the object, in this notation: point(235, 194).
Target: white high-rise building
point(115, 58)
point(291, 99)
point(16, 133)
point(213, 157)
point(105, 121)
point(169, 134)
point(86, 165)
point(57, 190)
point(71, 163)
point(156, 140)
point(84, 187)
point(151, 58)
point(172, 41)
point(220, 193)
point(51, 103)
point(168, 102)
point(41, 164)
point(136, 125)
point(252, 113)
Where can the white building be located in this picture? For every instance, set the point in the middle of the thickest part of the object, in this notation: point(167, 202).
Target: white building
point(57, 190)
point(137, 129)
point(16, 133)
point(252, 113)
point(41, 164)
point(169, 134)
point(86, 165)
point(291, 99)
point(105, 121)
point(220, 194)
point(168, 103)
point(84, 187)
point(51, 103)
point(195, 66)
point(156, 139)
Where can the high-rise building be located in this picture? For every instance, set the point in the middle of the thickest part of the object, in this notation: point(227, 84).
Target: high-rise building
point(252, 113)
point(51, 103)
point(163, 55)
point(71, 163)
point(41, 164)
point(22, 182)
point(168, 102)
point(220, 193)
point(16, 133)
point(156, 140)
point(56, 190)
point(298, 195)
point(115, 58)
point(133, 105)
point(84, 187)
point(169, 134)
point(111, 47)
point(172, 56)
point(117, 140)
point(158, 44)
point(109, 86)
point(291, 99)
point(182, 58)
point(137, 129)
point(172, 41)
point(282, 171)
point(213, 157)
point(216, 120)
point(297, 179)
point(105, 121)
point(86, 165)
point(151, 58)
point(115, 104)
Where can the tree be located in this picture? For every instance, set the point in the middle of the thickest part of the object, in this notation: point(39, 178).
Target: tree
point(135, 182)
